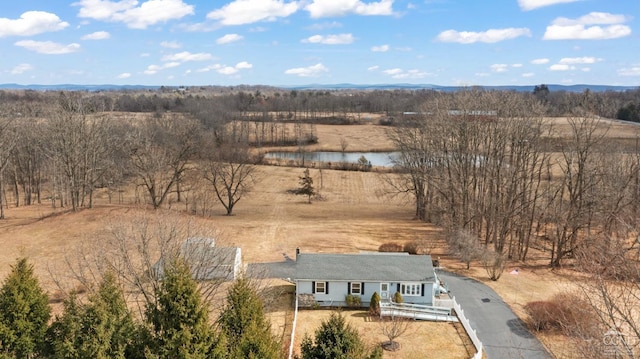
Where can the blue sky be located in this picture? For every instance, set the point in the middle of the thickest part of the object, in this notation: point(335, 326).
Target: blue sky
point(282, 42)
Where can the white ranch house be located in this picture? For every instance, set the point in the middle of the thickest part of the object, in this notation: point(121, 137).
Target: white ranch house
point(329, 278)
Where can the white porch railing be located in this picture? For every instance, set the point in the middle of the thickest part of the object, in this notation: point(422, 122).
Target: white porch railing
point(467, 327)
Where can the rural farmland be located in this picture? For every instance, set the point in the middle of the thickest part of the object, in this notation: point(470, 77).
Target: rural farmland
point(73, 231)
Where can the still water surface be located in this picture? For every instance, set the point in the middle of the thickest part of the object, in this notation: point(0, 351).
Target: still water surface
point(384, 159)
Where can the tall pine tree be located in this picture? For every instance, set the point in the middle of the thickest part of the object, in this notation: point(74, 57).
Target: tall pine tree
point(103, 328)
point(179, 322)
point(24, 312)
point(306, 185)
point(245, 326)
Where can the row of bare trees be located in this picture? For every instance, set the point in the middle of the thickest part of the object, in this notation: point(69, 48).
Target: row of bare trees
point(65, 150)
point(282, 104)
point(495, 169)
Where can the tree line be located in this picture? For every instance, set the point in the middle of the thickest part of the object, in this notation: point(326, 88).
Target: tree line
point(262, 103)
point(176, 324)
point(66, 148)
point(501, 179)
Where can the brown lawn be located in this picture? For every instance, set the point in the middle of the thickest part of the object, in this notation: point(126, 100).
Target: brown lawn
point(356, 213)
point(421, 340)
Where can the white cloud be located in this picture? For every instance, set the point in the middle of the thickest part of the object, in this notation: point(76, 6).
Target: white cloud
point(579, 60)
point(324, 26)
point(592, 18)
point(541, 61)
point(187, 56)
point(593, 26)
point(31, 23)
point(629, 71)
point(243, 65)
point(340, 39)
point(499, 67)
point(331, 8)
point(381, 48)
point(20, 69)
point(528, 74)
point(98, 35)
point(489, 36)
point(398, 73)
point(124, 75)
point(561, 67)
point(516, 65)
point(227, 70)
point(310, 71)
point(230, 70)
point(209, 68)
point(392, 72)
point(527, 5)
point(240, 12)
point(149, 13)
point(153, 69)
point(229, 38)
point(171, 44)
point(373, 68)
point(48, 47)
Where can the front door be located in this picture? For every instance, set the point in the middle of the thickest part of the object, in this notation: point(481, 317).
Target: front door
point(384, 291)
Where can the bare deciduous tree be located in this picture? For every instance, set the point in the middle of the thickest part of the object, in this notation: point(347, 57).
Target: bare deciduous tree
point(231, 173)
point(160, 149)
point(573, 201)
point(137, 246)
point(466, 246)
point(474, 161)
point(612, 290)
point(8, 141)
point(79, 144)
point(393, 328)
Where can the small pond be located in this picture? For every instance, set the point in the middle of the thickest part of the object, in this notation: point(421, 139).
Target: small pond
point(382, 159)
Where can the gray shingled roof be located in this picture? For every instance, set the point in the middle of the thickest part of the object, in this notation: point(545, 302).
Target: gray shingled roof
point(364, 267)
point(206, 261)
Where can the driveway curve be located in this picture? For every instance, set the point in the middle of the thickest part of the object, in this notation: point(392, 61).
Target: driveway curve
point(503, 334)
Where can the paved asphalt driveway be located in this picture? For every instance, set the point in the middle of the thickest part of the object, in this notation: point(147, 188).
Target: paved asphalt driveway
point(501, 332)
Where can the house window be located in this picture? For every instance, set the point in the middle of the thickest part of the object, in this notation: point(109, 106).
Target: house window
point(321, 287)
point(356, 288)
point(410, 289)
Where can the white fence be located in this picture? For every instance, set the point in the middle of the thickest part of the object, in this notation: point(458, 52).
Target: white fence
point(293, 327)
point(467, 327)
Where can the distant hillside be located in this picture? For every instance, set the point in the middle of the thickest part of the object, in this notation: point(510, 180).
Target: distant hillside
point(71, 87)
point(346, 86)
point(524, 88)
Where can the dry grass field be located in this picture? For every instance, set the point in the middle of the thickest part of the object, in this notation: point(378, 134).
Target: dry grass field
point(355, 213)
